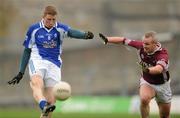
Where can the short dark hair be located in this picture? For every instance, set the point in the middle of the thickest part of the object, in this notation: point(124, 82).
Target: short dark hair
point(50, 10)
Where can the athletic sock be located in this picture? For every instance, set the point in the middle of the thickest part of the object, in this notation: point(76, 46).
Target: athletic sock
point(42, 103)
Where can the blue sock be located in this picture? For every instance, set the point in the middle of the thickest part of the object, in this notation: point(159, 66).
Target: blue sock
point(42, 103)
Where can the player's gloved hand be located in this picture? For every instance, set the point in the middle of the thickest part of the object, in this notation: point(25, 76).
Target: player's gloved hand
point(89, 35)
point(104, 38)
point(16, 79)
point(143, 66)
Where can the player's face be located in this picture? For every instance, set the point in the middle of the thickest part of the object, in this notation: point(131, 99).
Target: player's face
point(49, 21)
point(149, 45)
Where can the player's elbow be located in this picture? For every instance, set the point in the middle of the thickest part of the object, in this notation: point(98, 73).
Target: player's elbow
point(159, 69)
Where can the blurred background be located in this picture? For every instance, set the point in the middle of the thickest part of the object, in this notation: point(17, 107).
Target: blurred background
point(91, 68)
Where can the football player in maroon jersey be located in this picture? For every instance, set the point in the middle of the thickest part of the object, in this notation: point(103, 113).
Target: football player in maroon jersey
point(154, 82)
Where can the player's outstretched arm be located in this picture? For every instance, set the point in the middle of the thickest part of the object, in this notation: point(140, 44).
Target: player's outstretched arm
point(115, 40)
point(24, 61)
point(80, 34)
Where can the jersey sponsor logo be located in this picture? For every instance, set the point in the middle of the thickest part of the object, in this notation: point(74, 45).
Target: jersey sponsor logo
point(50, 44)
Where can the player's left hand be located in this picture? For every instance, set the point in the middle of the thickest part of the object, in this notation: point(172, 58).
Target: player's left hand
point(89, 35)
point(16, 79)
point(143, 66)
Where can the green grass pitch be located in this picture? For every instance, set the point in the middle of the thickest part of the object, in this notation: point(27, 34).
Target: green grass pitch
point(29, 113)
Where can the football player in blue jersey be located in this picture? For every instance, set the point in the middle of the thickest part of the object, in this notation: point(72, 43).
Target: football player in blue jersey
point(43, 48)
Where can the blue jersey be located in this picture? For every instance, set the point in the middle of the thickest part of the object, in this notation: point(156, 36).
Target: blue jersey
point(46, 43)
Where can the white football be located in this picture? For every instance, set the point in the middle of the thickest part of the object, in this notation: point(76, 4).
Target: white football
point(62, 90)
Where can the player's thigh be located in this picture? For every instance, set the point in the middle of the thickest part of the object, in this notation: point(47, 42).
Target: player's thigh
point(146, 92)
point(37, 67)
point(37, 70)
point(164, 109)
point(52, 76)
point(54, 72)
point(163, 93)
point(36, 81)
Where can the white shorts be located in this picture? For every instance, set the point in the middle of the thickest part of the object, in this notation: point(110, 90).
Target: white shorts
point(50, 73)
point(163, 91)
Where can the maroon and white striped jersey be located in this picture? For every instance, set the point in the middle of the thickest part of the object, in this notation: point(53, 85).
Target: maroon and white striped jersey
point(158, 57)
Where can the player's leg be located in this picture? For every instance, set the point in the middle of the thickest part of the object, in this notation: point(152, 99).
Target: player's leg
point(164, 110)
point(146, 93)
point(163, 99)
point(37, 86)
point(48, 93)
point(52, 77)
point(37, 72)
point(50, 98)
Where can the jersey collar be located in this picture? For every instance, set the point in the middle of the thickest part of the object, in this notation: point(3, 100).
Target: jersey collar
point(158, 48)
point(43, 26)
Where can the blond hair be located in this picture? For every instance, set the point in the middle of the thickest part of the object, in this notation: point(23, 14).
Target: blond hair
point(50, 10)
point(151, 34)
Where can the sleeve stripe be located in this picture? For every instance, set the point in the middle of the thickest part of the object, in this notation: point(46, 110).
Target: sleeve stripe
point(127, 41)
point(162, 63)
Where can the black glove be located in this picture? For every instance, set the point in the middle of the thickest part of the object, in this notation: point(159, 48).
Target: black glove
point(144, 67)
point(89, 35)
point(104, 38)
point(16, 79)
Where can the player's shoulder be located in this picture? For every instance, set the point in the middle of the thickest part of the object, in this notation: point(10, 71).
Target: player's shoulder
point(63, 26)
point(162, 54)
point(34, 26)
point(163, 50)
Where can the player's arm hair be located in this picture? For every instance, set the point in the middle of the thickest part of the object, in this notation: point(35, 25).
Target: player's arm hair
point(116, 40)
point(77, 34)
point(24, 60)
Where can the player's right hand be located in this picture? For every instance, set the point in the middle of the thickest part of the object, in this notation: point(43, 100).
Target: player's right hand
point(104, 38)
point(16, 79)
point(143, 66)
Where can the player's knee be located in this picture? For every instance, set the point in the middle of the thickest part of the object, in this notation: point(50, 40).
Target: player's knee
point(36, 83)
point(164, 115)
point(145, 100)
